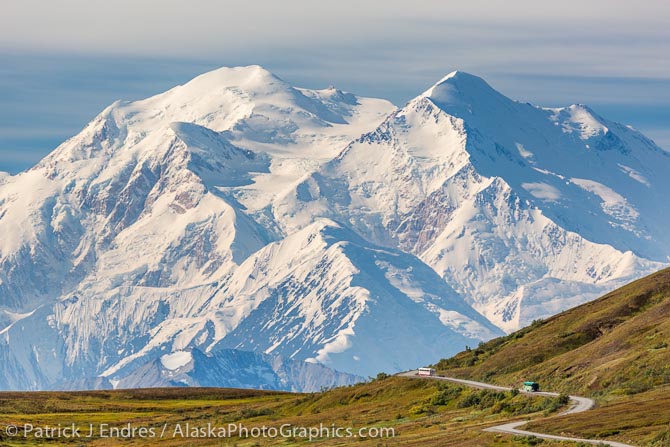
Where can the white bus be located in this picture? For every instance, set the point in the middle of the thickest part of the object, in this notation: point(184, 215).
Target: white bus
point(426, 372)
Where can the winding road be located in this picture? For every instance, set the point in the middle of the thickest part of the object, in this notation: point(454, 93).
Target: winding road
point(579, 405)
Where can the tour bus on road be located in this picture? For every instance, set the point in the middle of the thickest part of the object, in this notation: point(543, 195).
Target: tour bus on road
point(531, 387)
point(426, 372)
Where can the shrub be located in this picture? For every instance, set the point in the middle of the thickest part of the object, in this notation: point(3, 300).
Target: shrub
point(446, 395)
point(469, 400)
point(527, 440)
point(253, 412)
point(482, 399)
point(420, 409)
point(637, 386)
point(381, 376)
point(662, 438)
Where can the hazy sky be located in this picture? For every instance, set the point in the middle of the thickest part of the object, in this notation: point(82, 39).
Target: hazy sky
point(62, 62)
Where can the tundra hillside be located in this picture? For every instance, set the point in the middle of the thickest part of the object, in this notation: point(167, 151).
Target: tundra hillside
point(613, 349)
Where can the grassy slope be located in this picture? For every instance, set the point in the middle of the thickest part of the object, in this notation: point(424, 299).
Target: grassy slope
point(423, 413)
point(614, 349)
point(642, 419)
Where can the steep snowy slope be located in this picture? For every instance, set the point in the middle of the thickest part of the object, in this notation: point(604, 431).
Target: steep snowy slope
point(337, 300)
point(525, 211)
point(144, 215)
point(231, 368)
point(158, 173)
point(145, 197)
point(595, 177)
point(321, 295)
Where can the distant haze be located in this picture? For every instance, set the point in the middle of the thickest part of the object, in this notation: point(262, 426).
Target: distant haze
point(62, 62)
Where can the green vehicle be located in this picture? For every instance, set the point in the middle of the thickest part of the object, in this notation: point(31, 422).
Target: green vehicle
point(531, 387)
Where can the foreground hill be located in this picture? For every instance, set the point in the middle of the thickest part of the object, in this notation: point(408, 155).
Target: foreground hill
point(417, 413)
point(613, 345)
point(614, 349)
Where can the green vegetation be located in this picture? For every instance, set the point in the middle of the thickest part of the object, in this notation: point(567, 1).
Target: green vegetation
point(614, 345)
point(614, 349)
point(641, 419)
point(422, 413)
point(489, 401)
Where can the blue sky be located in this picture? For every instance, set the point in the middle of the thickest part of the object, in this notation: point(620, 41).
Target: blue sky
point(62, 62)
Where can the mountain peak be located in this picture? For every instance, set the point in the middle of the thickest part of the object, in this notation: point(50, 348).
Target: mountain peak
point(460, 90)
point(458, 75)
point(249, 78)
point(458, 79)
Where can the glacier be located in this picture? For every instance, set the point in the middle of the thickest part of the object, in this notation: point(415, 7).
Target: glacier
point(239, 217)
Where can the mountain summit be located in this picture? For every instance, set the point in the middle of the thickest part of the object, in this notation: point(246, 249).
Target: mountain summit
point(238, 212)
point(461, 91)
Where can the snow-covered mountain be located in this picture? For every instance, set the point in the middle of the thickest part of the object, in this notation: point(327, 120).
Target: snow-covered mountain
point(525, 211)
point(239, 212)
point(232, 368)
